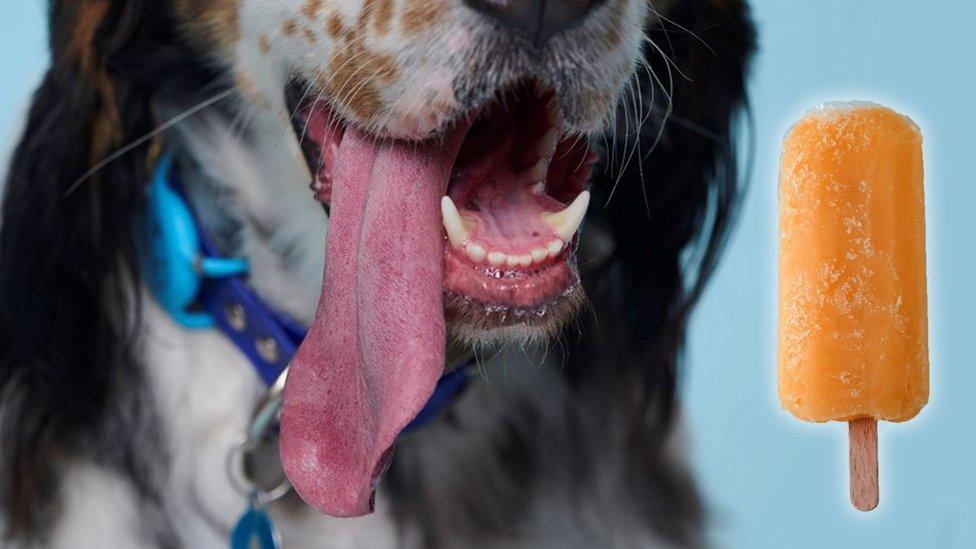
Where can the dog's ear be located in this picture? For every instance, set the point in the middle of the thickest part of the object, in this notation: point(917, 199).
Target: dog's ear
point(67, 255)
point(666, 198)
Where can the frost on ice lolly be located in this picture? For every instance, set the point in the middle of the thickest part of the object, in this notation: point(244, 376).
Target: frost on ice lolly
point(853, 324)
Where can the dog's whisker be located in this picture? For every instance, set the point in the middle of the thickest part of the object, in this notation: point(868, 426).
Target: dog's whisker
point(147, 137)
point(669, 62)
point(645, 115)
point(664, 30)
point(661, 17)
point(689, 125)
point(669, 93)
point(627, 151)
point(620, 170)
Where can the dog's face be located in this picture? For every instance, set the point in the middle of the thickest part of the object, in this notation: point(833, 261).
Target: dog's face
point(528, 80)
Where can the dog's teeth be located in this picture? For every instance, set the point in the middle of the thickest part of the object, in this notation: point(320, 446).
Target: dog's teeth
point(554, 248)
point(539, 188)
point(539, 171)
point(512, 261)
point(547, 145)
point(497, 259)
point(566, 222)
point(476, 253)
point(539, 254)
point(457, 233)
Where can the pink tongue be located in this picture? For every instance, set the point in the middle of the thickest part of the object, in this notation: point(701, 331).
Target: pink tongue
point(376, 347)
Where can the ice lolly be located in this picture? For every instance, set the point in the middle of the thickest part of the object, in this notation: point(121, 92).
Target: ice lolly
point(853, 323)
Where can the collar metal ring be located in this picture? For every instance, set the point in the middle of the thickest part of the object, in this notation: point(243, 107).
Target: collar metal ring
point(262, 428)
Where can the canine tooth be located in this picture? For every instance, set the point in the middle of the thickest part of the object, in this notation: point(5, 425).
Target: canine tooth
point(554, 248)
point(539, 188)
point(540, 254)
point(497, 259)
point(539, 171)
point(566, 222)
point(456, 231)
point(476, 253)
point(547, 145)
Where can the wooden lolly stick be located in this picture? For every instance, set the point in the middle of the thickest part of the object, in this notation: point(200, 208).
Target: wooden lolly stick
point(863, 435)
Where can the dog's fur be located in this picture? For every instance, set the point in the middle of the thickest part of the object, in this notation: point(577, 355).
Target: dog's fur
point(116, 422)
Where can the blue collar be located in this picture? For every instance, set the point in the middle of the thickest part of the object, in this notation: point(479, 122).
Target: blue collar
point(201, 289)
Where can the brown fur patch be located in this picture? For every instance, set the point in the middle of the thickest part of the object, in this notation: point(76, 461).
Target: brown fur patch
point(311, 9)
point(441, 107)
point(81, 45)
point(384, 67)
point(616, 15)
point(80, 49)
point(334, 26)
point(384, 16)
point(212, 21)
point(593, 103)
point(247, 88)
point(379, 13)
point(264, 44)
point(289, 27)
point(107, 129)
point(355, 72)
point(422, 14)
point(310, 35)
point(243, 82)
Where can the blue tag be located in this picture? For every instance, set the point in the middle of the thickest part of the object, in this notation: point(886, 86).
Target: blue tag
point(255, 530)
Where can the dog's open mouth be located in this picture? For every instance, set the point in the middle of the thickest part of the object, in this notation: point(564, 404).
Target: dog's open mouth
point(511, 208)
point(482, 217)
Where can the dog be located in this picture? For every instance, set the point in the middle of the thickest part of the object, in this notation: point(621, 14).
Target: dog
point(434, 158)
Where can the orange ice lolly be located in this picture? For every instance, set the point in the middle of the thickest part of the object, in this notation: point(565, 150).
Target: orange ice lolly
point(853, 323)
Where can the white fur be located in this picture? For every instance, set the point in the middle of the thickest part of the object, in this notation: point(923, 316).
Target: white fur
point(100, 510)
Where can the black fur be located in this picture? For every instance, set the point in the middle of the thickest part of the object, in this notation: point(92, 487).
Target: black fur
point(67, 325)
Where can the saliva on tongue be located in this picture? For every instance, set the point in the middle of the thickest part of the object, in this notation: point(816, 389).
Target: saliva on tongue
point(375, 350)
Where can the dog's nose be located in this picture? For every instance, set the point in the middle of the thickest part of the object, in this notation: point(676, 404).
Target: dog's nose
point(537, 20)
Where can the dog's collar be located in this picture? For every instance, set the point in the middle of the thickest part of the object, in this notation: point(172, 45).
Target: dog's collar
point(201, 289)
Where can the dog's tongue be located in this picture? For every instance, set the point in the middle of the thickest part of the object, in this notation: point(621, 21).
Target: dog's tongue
point(376, 347)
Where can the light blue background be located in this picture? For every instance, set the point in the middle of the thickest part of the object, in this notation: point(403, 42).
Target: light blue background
point(777, 482)
point(773, 481)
